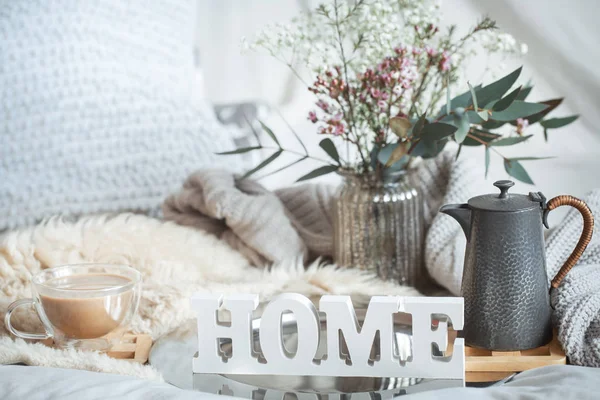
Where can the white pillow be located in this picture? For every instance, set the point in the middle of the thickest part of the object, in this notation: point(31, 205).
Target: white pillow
point(96, 110)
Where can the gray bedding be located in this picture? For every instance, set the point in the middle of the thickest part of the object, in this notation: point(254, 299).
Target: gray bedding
point(21, 382)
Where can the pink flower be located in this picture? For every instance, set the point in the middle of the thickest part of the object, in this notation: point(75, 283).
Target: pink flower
point(405, 83)
point(444, 64)
point(382, 105)
point(431, 52)
point(385, 96)
point(400, 49)
point(375, 93)
point(312, 116)
point(339, 130)
point(322, 105)
point(337, 117)
point(416, 51)
point(521, 125)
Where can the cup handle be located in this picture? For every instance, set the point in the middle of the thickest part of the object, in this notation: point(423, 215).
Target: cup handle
point(584, 239)
point(24, 335)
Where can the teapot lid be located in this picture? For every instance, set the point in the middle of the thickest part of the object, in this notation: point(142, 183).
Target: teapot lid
point(504, 201)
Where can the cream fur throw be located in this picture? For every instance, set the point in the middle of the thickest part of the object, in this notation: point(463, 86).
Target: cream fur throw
point(175, 261)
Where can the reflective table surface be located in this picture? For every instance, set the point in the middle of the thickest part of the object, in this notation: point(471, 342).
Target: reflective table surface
point(172, 356)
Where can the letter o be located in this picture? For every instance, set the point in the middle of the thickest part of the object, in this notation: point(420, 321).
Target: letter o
point(309, 332)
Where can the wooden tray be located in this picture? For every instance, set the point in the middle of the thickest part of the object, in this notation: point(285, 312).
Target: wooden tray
point(134, 348)
point(486, 366)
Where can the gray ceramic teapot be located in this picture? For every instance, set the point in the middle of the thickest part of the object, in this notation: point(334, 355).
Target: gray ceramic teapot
point(504, 284)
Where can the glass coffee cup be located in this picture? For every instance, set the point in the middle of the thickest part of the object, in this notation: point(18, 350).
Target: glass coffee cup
point(84, 306)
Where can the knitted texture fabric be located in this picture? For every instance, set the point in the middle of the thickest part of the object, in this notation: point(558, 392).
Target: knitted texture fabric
point(576, 301)
point(296, 222)
point(96, 110)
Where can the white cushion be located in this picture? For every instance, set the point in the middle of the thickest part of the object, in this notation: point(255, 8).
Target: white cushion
point(96, 107)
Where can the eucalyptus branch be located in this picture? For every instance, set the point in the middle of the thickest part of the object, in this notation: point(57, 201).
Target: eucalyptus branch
point(293, 132)
point(296, 153)
point(372, 79)
point(284, 167)
point(486, 144)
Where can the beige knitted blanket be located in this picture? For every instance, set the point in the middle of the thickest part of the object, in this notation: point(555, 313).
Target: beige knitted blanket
point(295, 222)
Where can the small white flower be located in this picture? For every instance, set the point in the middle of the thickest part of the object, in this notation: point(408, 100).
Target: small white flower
point(524, 48)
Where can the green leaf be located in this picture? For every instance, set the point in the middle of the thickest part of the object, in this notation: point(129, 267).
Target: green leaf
point(491, 124)
point(518, 109)
point(483, 115)
point(531, 158)
point(554, 123)
point(437, 131)
point(487, 160)
point(516, 170)
point(484, 136)
point(474, 97)
point(263, 164)
point(463, 128)
point(392, 153)
point(474, 117)
point(327, 145)
point(496, 90)
point(428, 149)
point(507, 100)
point(327, 169)
point(270, 133)
point(463, 100)
point(240, 151)
point(509, 141)
point(551, 105)
point(524, 93)
point(251, 126)
point(458, 152)
point(418, 126)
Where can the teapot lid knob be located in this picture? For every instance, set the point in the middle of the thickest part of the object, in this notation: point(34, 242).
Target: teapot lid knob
point(504, 185)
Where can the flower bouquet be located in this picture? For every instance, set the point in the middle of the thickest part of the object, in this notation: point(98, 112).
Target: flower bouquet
point(385, 78)
point(381, 72)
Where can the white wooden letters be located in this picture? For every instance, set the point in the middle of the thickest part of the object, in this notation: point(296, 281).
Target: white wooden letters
point(274, 359)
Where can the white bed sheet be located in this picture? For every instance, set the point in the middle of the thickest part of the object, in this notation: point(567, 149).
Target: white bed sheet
point(33, 383)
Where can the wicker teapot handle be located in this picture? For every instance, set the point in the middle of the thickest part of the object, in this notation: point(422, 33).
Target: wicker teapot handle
point(586, 235)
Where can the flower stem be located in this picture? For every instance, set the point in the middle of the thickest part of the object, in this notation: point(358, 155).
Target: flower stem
point(352, 124)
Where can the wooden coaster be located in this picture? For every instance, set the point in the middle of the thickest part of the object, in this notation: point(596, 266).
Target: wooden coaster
point(486, 366)
point(134, 348)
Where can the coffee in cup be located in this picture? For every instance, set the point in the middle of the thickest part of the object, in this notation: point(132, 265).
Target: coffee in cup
point(84, 306)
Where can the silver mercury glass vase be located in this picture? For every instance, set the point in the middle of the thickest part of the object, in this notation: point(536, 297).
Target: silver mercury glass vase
point(378, 226)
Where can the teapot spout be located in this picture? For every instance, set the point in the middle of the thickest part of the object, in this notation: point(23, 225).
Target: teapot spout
point(462, 214)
